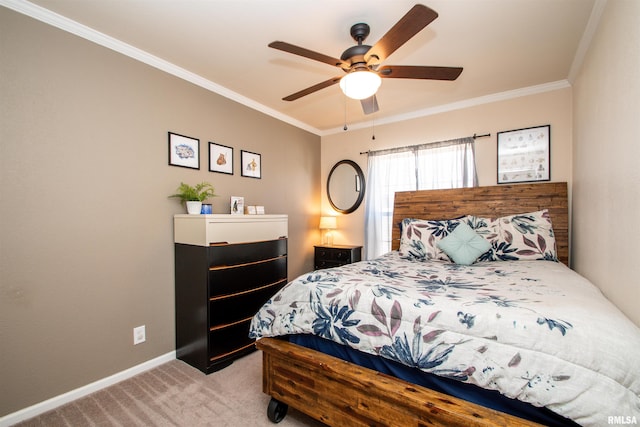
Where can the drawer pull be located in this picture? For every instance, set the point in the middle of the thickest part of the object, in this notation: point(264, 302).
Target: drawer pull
point(248, 291)
point(262, 261)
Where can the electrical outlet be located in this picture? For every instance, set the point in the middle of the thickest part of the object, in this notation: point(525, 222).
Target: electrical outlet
point(139, 335)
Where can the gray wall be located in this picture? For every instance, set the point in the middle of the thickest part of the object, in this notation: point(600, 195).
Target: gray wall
point(86, 249)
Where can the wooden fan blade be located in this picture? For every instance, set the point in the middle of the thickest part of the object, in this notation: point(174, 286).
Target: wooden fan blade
point(312, 89)
point(419, 72)
point(408, 26)
point(300, 51)
point(369, 105)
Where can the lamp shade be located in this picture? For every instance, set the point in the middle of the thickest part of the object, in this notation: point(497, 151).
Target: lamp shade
point(360, 84)
point(328, 223)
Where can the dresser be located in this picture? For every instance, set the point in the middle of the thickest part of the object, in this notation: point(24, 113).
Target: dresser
point(226, 268)
point(336, 255)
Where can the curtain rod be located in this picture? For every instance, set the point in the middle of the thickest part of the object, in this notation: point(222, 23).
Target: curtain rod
point(475, 136)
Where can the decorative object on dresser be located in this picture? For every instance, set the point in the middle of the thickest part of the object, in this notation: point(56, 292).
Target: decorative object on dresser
point(328, 223)
point(193, 196)
point(226, 268)
point(237, 205)
point(335, 256)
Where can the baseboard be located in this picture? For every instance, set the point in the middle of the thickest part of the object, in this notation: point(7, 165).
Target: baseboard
point(54, 402)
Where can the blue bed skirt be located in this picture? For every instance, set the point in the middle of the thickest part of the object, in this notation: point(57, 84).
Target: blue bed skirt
point(469, 392)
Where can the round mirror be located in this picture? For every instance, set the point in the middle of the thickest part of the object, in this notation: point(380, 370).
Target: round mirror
point(345, 186)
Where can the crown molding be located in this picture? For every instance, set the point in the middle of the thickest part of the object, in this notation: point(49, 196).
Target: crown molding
point(80, 30)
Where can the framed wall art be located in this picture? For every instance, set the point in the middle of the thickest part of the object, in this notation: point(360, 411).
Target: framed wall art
point(184, 151)
point(220, 158)
point(524, 155)
point(251, 164)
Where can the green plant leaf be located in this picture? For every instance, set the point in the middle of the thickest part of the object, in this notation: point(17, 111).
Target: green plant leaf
point(198, 193)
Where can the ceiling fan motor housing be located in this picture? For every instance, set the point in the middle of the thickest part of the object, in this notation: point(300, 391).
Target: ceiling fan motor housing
point(355, 54)
point(360, 31)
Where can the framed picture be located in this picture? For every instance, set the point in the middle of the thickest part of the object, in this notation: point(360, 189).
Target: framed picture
point(220, 158)
point(237, 205)
point(184, 151)
point(251, 165)
point(523, 155)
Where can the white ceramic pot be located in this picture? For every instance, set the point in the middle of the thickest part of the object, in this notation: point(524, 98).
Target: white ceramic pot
point(194, 208)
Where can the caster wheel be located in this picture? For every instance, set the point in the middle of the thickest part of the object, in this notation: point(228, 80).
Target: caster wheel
point(276, 411)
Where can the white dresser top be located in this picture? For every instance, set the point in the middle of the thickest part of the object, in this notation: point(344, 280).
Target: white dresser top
point(203, 230)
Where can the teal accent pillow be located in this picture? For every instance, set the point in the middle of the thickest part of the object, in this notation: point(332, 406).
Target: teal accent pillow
point(464, 245)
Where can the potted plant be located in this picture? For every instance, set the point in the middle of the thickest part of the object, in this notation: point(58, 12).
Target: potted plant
point(193, 196)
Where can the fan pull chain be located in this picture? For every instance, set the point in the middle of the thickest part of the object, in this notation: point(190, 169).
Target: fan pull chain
point(373, 130)
point(373, 120)
point(345, 112)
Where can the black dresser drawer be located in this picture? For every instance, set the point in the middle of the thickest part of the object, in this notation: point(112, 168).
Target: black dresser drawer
point(224, 341)
point(244, 277)
point(233, 308)
point(343, 255)
point(335, 256)
point(243, 253)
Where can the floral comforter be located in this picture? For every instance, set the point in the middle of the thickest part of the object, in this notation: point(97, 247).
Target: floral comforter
point(533, 330)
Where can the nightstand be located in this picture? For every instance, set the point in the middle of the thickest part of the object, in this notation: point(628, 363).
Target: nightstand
point(336, 255)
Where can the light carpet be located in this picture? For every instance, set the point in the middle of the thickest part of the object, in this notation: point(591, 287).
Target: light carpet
point(176, 394)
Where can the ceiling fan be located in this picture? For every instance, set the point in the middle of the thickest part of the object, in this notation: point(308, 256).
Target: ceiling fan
point(362, 62)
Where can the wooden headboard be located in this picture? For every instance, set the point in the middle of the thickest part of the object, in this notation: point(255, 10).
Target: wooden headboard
point(490, 202)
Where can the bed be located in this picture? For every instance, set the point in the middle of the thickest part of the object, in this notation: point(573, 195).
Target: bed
point(512, 337)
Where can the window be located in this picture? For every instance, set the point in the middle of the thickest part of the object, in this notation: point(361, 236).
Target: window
point(448, 164)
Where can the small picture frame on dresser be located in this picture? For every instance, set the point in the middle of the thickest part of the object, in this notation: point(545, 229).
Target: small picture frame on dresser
point(237, 205)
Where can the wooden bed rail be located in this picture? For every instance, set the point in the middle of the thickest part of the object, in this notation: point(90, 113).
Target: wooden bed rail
point(340, 393)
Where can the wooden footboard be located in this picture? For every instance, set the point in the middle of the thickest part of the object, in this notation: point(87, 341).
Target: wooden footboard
point(339, 393)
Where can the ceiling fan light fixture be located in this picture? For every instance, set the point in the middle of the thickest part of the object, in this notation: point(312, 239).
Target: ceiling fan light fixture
point(360, 84)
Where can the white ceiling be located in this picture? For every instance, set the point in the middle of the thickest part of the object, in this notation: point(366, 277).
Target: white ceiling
point(505, 47)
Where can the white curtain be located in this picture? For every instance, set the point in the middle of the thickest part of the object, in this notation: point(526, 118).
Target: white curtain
point(447, 164)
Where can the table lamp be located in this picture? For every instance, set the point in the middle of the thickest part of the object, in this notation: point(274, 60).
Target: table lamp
point(328, 223)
